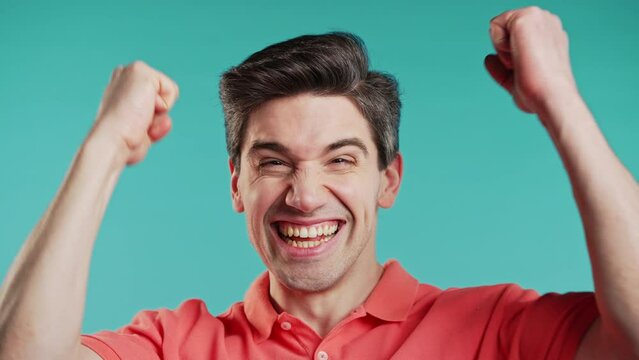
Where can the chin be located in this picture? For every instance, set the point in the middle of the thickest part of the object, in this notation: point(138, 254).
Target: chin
point(305, 282)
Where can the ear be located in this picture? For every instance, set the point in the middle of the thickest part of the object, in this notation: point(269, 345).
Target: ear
point(235, 191)
point(391, 179)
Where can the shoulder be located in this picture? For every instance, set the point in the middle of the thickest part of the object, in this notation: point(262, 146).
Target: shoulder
point(196, 310)
point(190, 314)
point(475, 300)
point(511, 301)
point(511, 297)
point(189, 326)
point(491, 293)
point(477, 294)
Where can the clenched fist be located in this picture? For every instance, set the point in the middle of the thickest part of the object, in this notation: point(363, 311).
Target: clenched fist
point(134, 109)
point(532, 61)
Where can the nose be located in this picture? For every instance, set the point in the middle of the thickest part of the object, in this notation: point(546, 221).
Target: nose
point(306, 192)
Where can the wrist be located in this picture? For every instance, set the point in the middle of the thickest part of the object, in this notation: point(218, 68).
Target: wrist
point(106, 147)
point(563, 113)
point(556, 93)
point(557, 107)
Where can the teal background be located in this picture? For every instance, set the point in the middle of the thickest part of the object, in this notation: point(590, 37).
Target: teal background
point(485, 198)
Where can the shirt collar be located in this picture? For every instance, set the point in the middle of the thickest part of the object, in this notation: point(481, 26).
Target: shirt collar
point(394, 295)
point(258, 308)
point(390, 300)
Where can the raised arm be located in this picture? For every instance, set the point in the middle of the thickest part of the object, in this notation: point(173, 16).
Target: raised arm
point(532, 63)
point(42, 297)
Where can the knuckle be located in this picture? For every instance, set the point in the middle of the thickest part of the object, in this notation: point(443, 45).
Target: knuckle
point(533, 14)
point(138, 65)
point(534, 10)
point(518, 22)
point(116, 71)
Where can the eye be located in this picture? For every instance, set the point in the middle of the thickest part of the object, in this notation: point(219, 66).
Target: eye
point(273, 166)
point(341, 162)
point(271, 162)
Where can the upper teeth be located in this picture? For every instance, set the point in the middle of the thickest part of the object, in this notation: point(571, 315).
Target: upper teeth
point(311, 232)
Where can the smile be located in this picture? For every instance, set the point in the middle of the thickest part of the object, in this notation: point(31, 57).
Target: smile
point(308, 236)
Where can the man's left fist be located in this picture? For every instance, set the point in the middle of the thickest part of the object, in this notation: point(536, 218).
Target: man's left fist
point(532, 61)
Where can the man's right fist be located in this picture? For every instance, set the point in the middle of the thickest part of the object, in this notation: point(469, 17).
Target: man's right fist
point(134, 109)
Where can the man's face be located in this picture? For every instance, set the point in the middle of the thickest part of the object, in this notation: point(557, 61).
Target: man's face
point(310, 186)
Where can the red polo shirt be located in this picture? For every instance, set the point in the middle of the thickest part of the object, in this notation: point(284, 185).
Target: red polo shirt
point(401, 319)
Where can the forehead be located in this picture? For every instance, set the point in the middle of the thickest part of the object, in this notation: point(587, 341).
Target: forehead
point(306, 123)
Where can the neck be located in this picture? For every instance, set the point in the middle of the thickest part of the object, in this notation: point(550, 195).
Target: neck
point(325, 309)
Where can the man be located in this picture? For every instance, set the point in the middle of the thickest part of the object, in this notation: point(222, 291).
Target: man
point(312, 139)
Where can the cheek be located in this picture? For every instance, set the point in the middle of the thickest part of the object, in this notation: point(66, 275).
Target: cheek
point(259, 197)
point(357, 193)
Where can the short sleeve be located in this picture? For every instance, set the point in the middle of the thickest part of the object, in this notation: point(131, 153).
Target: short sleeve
point(545, 327)
point(151, 335)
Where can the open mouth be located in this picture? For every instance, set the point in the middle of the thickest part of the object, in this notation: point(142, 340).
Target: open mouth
point(307, 236)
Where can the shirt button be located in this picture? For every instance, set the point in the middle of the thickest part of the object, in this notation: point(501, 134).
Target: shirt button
point(322, 355)
point(285, 325)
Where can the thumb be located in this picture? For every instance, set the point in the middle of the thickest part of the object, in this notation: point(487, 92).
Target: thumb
point(499, 72)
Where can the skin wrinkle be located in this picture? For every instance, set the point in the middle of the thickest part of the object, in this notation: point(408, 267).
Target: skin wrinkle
point(52, 268)
point(303, 183)
point(280, 148)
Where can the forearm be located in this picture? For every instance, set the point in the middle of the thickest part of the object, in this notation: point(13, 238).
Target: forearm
point(607, 196)
point(42, 298)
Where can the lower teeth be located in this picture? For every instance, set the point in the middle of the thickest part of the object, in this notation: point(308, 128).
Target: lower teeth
point(308, 244)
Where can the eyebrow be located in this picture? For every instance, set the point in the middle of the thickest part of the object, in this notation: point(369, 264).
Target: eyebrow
point(280, 148)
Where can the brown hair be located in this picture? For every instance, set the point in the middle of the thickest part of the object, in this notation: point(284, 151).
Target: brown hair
point(329, 64)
